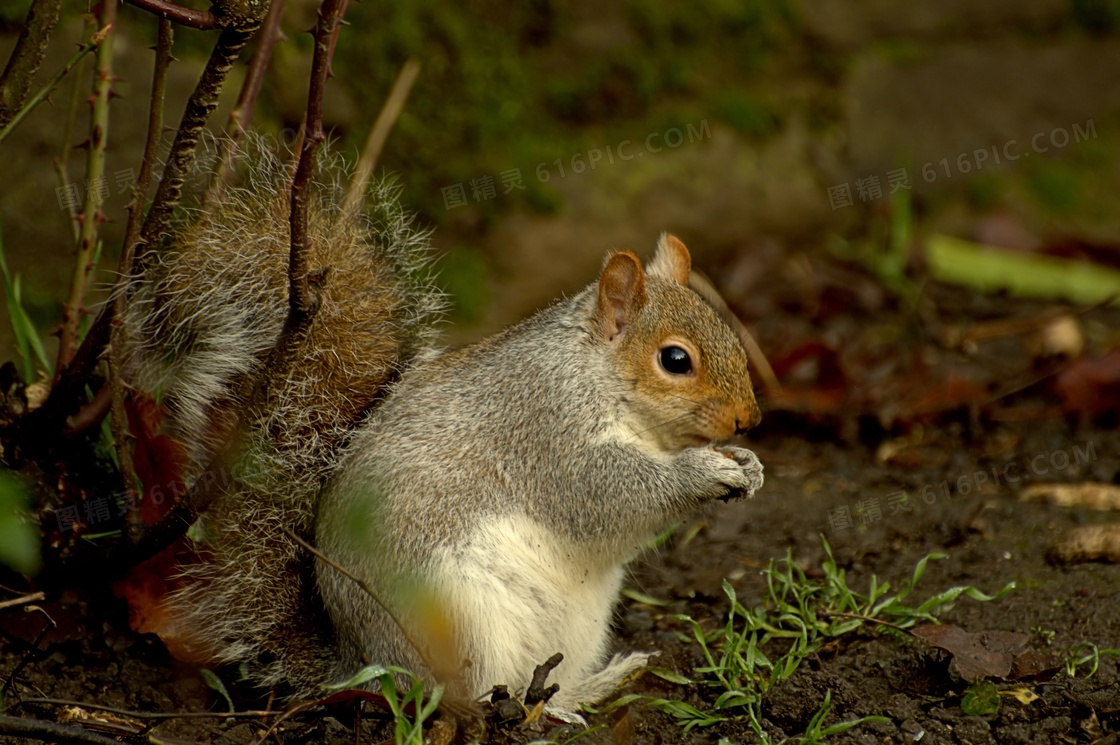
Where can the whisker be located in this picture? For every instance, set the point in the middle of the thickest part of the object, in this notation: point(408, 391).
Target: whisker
point(662, 424)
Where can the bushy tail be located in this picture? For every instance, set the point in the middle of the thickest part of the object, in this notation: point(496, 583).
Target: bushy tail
point(201, 323)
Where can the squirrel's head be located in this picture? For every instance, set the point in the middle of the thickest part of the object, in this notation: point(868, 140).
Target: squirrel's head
point(688, 368)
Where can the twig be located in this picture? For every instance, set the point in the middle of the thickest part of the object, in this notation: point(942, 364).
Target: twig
point(50, 732)
point(40, 427)
point(707, 290)
point(32, 598)
point(390, 110)
point(92, 413)
point(27, 55)
point(32, 652)
point(302, 303)
point(537, 692)
point(95, 42)
point(118, 334)
point(92, 216)
point(200, 19)
point(199, 107)
point(70, 382)
point(365, 588)
point(157, 715)
point(242, 112)
point(867, 619)
point(62, 160)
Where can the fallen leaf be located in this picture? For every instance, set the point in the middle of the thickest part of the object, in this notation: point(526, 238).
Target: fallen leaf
point(1087, 543)
point(1022, 695)
point(988, 269)
point(981, 700)
point(1093, 495)
point(986, 654)
point(1090, 386)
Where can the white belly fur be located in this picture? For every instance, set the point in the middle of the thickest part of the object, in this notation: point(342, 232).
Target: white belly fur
point(515, 596)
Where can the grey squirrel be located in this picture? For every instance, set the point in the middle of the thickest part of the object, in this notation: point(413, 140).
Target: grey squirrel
point(489, 495)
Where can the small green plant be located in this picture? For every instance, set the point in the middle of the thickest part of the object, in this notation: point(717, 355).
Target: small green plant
point(1086, 654)
point(28, 343)
point(805, 613)
point(408, 728)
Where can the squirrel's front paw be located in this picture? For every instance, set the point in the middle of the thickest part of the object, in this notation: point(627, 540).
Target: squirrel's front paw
point(729, 472)
point(751, 470)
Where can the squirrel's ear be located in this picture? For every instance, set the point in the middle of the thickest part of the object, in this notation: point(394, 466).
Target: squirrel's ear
point(672, 260)
point(622, 293)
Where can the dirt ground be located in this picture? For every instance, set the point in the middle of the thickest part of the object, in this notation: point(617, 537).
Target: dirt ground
point(837, 450)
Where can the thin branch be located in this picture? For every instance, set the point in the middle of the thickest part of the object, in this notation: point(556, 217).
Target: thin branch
point(200, 19)
point(390, 110)
point(707, 290)
point(36, 729)
point(118, 334)
point(242, 112)
point(303, 303)
point(865, 619)
point(537, 692)
point(95, 42)
point(199, 107)
point(67, 393)
point(367, 590)
point(40, 427)
point(62, 160)
point(92, 413)
point(156, 715)
point(92, 216)
point(26, 57)
point(32, 598)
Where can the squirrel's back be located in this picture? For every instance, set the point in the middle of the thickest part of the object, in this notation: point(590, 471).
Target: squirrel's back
point(200, 325)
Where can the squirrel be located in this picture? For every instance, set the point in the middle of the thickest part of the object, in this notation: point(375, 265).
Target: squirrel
point(489, 496)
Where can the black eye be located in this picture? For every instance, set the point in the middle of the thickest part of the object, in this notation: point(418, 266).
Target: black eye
point(676, 361)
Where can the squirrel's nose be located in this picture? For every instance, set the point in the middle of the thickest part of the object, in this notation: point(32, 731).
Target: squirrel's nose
point(751, 419)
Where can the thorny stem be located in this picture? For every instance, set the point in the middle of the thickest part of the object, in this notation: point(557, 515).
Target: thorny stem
point(94, 43)
point(92, 216)
point(26, 57)
point(200, 19)
point(242, 113)
point(62, 160)
point(118, 334)
point(302, 301)
point(200, 106)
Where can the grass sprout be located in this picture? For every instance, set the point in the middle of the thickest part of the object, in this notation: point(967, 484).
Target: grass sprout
point(805, 613)
point(409, 709)
point(1086, 654)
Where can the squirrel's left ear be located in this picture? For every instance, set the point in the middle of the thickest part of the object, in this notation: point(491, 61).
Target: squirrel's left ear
point(672, 260)
point(622, 293)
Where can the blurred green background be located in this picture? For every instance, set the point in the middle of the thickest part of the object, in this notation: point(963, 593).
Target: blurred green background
point(743, 121)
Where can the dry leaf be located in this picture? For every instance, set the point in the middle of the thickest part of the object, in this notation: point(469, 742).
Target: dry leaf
point(1093, 495)
point(988, 654)
point(1087, 543)
point(1022, 695)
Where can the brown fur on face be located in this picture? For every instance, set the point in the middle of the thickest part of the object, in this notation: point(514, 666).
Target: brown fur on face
point(715, 399)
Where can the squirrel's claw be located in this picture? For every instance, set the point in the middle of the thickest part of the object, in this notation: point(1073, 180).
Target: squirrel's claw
point(752, 470)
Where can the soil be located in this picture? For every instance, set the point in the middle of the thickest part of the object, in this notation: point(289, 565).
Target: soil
point(817, 464)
